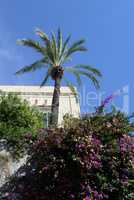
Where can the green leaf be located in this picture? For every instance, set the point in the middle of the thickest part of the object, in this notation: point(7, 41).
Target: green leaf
point(45, 78)
point(36, 65)
point(76, 46)
point(54, 47)
point(89, 68)
point(33, 44)
point(71, 87)
point(66, 43)
point(59, 41)
point(42, 35)
point(76, 73)
point(62, 57)
point(71, 51)
point(92, 78)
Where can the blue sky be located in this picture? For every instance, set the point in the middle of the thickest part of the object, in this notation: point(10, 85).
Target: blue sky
point(107, 26)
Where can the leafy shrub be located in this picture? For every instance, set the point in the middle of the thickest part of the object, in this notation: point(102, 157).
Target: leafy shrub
point(17, 118)
point(93, 158)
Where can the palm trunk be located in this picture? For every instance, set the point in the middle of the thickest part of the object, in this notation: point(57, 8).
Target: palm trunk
point(55, 104)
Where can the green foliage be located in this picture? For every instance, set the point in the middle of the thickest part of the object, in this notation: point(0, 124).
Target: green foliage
point(17, 118)
point(69, 121)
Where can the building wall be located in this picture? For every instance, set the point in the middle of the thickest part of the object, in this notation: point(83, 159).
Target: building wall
point(42, 97)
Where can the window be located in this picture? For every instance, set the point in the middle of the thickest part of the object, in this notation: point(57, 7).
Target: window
point(36, 101)
point(45, 102)
point(47, 119)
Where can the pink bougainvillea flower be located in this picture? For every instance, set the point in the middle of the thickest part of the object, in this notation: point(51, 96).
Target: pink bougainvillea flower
point(87, 198)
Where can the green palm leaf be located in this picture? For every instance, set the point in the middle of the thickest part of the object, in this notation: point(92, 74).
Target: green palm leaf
point(59, 39)
point(54, 47)
point(48, 48)
point(75, 73)
point(33, 44)
point(91, 77)
point(62, 56)
point(77, 46)
point(65, 44)
point(36, 65)
point(89, 68)
point(71, 87)
point(46, 78)
point(43, 36)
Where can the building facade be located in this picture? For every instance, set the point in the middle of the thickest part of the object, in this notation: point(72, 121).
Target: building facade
point(42, 98)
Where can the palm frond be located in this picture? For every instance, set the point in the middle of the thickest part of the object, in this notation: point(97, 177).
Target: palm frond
point(89, 68)
point(91, 77)
point(71, 87)
point(50, 55)
point(62, 56)
point(36, 65)
point(76, 73)
point(76, 46)
point(42, 35)
point(46, 78)
point(48, 49)
point(54, 47)
point(59, 40)
point(76, 49)
point(33, 44)
point(66, 43)
point(73, 50)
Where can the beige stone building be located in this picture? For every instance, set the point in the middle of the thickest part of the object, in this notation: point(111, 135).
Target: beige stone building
point(42, 98)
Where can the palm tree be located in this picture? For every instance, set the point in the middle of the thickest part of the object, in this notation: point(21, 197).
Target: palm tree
point(55, 52)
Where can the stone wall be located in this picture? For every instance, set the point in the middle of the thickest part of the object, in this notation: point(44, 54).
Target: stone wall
point(7, 164)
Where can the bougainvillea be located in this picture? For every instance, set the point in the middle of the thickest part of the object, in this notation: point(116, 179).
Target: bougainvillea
point(92, 159)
